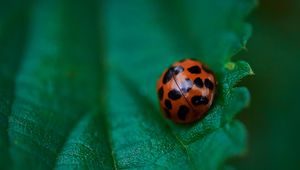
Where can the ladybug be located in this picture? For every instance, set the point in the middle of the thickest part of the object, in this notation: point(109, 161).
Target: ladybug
point(186, 91)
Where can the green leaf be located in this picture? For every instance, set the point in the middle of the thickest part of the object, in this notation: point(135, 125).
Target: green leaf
point(80, 90)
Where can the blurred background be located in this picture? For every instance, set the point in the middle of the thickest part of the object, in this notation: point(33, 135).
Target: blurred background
point(273, 116)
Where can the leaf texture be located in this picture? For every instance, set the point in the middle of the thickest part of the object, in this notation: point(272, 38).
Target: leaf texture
point(79, 93)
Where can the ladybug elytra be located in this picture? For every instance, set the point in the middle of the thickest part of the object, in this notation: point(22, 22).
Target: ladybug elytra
point(186, 91)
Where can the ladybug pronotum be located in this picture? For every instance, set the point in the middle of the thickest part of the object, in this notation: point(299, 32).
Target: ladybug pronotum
point(186, 91)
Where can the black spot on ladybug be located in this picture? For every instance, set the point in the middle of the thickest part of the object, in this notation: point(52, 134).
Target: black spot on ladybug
point(199, 100)
point(167, 113)
point(182, 112)
point(198, 82)
point(186, 85)
point(168, 75)
point(160, 93)
point(208, 84)
point(206, 69)
point(168, 104)
point(174, 94)
point(178, 69)
point(194, 70)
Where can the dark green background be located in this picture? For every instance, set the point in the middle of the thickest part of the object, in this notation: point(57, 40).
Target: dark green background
point(273, 118)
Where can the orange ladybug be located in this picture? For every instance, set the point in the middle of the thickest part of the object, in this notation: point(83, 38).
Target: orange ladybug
point(186, 91)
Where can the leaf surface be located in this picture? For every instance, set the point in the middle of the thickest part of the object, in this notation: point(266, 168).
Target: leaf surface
point(81, 93)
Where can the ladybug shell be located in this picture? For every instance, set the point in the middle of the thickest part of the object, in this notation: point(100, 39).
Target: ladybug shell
point(186, 91)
